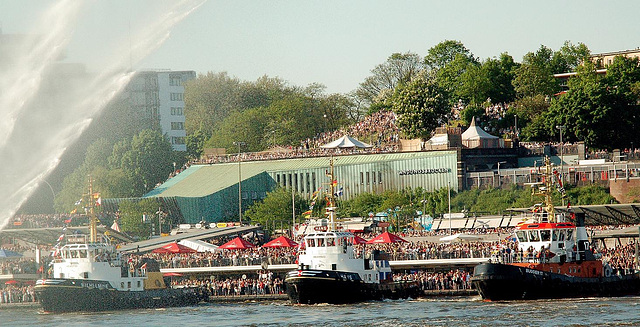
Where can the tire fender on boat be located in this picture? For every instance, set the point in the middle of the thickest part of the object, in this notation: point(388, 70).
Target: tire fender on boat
point(607, 270)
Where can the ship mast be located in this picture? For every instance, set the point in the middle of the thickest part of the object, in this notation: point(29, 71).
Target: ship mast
point(331, 206)
point(93, 221)
point(545, 191)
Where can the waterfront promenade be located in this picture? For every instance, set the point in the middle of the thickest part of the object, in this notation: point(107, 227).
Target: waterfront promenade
point(395, 265)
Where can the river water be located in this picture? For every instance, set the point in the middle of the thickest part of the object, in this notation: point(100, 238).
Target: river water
point(459, 311)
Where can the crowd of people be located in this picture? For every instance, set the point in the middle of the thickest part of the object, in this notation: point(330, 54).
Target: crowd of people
point(18, 266)
point(621, 259)
point(240, 257)
point(379, 128)
point(458, 279)
point(17, 294)
point(264, 283)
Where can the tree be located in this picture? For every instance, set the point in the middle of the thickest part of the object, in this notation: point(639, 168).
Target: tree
point(461, 80)
point(593, 104)
point(535, 75)
point(569, 57)
point(421, 106)
point(398, 69)
point(500, 74)
point(132, 215)
point(276, 209)
point(195, 143)
point(149, 157)
point(444, 53)
point(247, 126)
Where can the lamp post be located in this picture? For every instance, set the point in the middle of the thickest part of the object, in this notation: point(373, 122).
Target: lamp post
point(449, 197)
point(499, 181)
point(561, 127)
point(324, 120)
point(515, 117)
point(239, 144)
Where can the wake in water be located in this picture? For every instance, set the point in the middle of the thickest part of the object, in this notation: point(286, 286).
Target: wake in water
point(45, 108)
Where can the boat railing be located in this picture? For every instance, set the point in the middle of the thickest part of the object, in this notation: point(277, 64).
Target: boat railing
point(518, 257)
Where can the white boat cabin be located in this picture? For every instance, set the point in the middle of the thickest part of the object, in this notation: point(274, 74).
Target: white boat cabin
point(334, 251)
point(96, 263)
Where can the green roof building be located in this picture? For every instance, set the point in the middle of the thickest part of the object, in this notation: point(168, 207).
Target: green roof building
point(210, 192)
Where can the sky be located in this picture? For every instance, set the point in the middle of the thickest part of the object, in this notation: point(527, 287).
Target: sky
point(334, 43)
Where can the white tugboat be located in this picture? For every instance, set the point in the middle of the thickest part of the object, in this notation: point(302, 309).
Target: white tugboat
point(329, 271)
point(90, 276)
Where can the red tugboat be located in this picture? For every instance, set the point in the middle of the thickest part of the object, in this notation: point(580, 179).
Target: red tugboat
point(554, 259)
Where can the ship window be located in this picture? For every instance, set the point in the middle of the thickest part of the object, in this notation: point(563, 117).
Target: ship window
point(545, 235)
point(128, 284)
point(554, 235)
point(82, 253)
point(569, 235)
point(311, 243)
point(560, 236)
point(85, 275)
point(331, 241)
point(138, 283)
point(534, 236)
point(121, 284)
point(321, 242)
point(522, 236)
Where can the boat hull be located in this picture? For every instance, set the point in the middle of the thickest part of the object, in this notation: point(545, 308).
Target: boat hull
point(503, 282)
point(334, 287)
point(63, 295)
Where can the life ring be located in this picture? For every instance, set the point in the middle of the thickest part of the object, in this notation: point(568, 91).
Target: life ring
point(608, 271)
point(320, 228)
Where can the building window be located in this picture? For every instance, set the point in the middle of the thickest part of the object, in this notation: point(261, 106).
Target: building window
point(177, 111)
point(380, 177)
point(175, 80)
point(361, 178)
point(368, 180)
point(176, 96)
point(373, 176)
point(177, 140)
point(313, 180)
point(177, 126)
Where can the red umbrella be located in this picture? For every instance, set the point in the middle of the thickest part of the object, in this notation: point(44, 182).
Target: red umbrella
point(359, 240)
point(11, 282)
point(237, 243)
point(172, 274)
point(281, 242)
point(386, 237)
point(174, 248)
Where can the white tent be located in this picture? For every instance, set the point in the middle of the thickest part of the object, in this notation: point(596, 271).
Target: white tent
point(460, 237)
point(346, 142)
point(199, 246)
point(476, 137)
